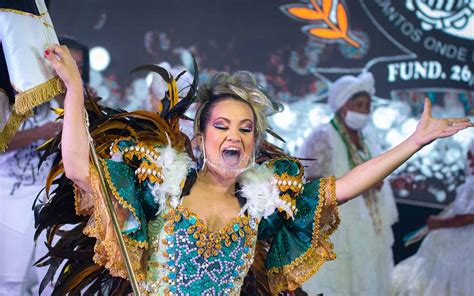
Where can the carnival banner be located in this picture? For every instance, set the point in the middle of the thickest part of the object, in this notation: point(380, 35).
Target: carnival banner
point(433, 40)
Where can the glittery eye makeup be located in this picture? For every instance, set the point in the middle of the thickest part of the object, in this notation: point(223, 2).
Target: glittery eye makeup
point(247, 127)
point(220, 124)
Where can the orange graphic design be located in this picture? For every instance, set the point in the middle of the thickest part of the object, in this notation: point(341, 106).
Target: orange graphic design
point(333, 30)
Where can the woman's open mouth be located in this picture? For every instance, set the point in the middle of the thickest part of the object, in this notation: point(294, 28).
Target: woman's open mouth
point(231, 157)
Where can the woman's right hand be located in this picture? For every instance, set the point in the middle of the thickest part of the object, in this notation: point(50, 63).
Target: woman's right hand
point(64, 65)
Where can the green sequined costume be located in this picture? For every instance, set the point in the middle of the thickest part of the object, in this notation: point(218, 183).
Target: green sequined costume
point(175, 252)
point(281, 236)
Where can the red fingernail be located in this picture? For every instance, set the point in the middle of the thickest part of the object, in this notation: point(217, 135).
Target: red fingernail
point(46, 52)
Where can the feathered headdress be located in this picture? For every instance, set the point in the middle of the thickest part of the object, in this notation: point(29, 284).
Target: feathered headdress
point(73, 248)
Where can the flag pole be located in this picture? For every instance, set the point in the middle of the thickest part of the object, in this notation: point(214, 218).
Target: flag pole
point(113, 216)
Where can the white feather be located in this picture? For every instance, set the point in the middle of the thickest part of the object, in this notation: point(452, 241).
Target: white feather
point(175, 167)
point(263, 196)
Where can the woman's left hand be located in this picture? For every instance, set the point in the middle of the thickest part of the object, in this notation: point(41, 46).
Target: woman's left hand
point(64, 65)
point(430, 129)
point(367, 174)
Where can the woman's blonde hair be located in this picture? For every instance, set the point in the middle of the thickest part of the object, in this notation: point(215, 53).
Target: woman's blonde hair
point(240, 85)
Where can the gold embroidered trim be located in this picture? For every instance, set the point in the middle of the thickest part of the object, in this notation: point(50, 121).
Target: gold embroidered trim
point(289, 200)
point(139, 151)
point(210, 242)
point(286, 182)
point(299, 176)
point(106, 250)
point(147, 169)
point(135, 243)
point(42, 93)
point(77, 195)
point(11, 127)
point(291, 276)
point(334, 203)
point(23, 13)
point(120, 199)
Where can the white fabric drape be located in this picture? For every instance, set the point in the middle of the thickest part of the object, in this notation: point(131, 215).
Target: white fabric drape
point(364, 257)
point(21, 180)
point(444, 263)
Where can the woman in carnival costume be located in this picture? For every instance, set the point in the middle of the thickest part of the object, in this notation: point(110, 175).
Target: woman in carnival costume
point(192, 232)
point(443, 264)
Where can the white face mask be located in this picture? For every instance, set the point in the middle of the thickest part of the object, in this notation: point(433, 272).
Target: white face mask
point(226, 170)
point(356, 120)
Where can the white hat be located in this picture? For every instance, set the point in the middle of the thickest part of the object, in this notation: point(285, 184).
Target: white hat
point(345, 87)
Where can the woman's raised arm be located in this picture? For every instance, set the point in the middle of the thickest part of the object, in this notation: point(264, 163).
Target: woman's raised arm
point(369, 173)
point(74, 146)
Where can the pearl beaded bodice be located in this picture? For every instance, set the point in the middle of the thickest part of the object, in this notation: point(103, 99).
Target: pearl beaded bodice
point(189, 259)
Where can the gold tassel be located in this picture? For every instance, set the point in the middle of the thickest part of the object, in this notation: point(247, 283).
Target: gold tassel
point(27, 100)
point(10, 128)
point(24, 104)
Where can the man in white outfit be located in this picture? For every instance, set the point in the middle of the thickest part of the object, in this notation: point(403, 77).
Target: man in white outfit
point(21, 181)
point(364, 238)
point(25, 31)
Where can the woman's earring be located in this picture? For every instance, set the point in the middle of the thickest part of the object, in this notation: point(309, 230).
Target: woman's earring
point(203, 155)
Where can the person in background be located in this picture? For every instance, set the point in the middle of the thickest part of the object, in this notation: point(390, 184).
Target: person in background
point(364, 239)
point(80, 53)
point(22, 180)
point(443, 265)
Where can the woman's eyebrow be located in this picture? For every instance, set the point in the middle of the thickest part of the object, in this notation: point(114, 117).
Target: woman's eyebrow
point(222, 118)
point(228, 120)
point(246, 119)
